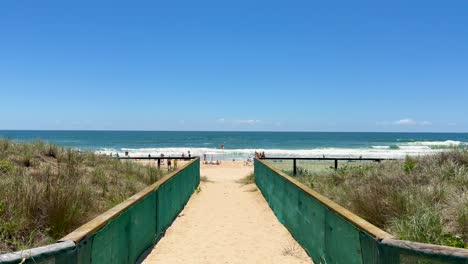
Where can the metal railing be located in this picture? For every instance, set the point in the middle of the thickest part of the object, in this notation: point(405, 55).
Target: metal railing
point(149, 157)
point(294, 159)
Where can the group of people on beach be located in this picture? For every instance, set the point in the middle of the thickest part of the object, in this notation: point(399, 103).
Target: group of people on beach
point(171, 162)
point(260, 155)
point(205, 160)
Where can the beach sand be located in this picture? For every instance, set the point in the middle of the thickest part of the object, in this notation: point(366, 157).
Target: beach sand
point(227, 222)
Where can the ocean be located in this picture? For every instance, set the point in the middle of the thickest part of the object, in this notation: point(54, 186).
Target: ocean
point(242, 145)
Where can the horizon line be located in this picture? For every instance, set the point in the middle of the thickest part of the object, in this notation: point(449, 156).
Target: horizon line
point(229, 131)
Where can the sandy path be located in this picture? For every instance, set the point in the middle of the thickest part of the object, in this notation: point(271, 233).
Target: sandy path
point(227, 223)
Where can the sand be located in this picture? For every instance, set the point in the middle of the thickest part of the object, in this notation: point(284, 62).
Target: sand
point(227, 222)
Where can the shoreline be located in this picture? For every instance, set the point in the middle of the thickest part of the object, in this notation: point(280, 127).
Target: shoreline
point(244, 154)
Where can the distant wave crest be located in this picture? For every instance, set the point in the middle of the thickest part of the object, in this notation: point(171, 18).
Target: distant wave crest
point(394, 151)
point(423, 145)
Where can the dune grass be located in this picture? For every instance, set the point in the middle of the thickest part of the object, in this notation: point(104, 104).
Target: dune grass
point(249, 179)
point(421, 199)
point(47, 191)
point(205, 179)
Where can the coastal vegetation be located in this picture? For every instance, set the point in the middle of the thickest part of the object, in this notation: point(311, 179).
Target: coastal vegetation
point(423, 199)
point(47, 191)
point(249, 179)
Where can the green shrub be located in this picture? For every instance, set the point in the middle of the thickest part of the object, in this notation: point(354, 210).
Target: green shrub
point(6, 167)
point(453, 241)
point(409, 164)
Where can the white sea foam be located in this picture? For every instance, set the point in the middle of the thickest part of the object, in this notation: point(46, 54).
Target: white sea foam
point(380, 147)
point(425, 145)
point(447, 143)
point(374, 152)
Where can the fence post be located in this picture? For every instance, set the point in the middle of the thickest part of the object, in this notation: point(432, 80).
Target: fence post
point(294, 167)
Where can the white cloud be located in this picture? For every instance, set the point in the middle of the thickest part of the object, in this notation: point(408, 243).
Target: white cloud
point(405, 122)
point(247, 122)
point(250, 122)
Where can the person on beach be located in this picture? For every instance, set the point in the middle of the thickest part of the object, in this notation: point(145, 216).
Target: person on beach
point(169, 164)
point(189, 155)
point(175, 164)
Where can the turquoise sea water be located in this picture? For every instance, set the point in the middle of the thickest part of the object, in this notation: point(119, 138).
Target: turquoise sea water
point(244, 144)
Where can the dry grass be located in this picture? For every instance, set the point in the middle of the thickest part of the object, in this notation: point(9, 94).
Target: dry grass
point(205, 179)
point(47, 191)
point(293, 250)
point(253, 189)
point(249, 179)
point(420, 199)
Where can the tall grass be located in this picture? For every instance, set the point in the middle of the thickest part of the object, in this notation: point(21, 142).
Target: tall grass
point(47, 191)
point(249, 179)
point(422, 199)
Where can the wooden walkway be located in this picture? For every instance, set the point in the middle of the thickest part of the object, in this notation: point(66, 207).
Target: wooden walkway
point(227, 222)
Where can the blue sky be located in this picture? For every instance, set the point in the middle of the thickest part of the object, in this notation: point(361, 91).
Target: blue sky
point(234, 65)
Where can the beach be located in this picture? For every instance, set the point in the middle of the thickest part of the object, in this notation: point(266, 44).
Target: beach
point(243, 145)
point(234, 132)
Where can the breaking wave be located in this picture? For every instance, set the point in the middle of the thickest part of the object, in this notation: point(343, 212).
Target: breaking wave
point(392, 151)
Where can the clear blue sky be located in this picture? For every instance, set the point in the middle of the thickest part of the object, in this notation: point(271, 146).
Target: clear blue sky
point(234, 65)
